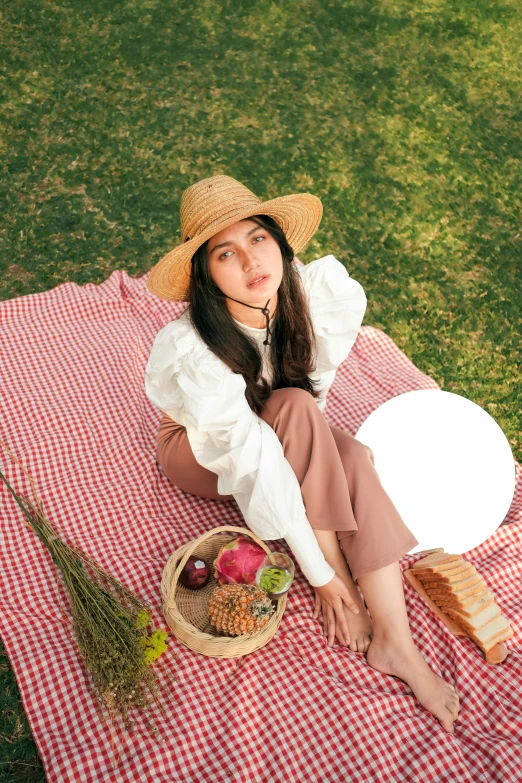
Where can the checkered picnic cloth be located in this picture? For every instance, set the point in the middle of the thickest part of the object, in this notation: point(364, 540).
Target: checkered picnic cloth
point(75, 413)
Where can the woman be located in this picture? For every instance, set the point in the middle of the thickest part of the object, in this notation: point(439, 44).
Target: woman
point(242, 377)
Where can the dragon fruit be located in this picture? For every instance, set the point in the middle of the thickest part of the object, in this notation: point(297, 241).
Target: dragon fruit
point(238, 561)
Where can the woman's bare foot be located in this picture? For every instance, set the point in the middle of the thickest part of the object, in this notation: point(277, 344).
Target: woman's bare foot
point(360, 625)
point(432, 692)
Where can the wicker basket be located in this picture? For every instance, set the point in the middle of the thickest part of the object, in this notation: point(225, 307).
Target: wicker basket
point(185, 610)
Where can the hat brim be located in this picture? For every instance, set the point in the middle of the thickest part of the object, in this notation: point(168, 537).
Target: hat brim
point(298, 215)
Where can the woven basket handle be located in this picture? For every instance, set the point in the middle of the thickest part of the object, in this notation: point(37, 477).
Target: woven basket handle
point(208, 534)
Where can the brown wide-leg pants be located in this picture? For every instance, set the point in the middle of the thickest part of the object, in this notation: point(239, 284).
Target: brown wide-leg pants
point(340, 486)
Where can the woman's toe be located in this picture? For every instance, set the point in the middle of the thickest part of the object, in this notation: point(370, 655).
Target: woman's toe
point(454, 708)
point(447, 722)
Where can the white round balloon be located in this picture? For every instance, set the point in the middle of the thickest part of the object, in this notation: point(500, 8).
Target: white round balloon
point(446, 465)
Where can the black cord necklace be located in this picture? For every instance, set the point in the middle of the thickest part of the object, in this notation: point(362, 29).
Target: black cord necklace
point(265, 310)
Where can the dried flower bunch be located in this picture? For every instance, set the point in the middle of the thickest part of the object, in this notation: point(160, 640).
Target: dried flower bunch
point(112, 626)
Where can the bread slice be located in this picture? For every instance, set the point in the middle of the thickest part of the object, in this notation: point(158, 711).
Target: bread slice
point(496, 631)
point(477, 620)
point(446, 569)
point(469, 594)
point(436, 559)
point(461, 584)
point(464, 603)
point(429, 551)
point(446, 577)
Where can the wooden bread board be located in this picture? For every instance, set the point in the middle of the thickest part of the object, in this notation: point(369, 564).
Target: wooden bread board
point(496, 654)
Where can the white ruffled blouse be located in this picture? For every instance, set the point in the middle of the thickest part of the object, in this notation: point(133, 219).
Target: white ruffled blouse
point(189, 383)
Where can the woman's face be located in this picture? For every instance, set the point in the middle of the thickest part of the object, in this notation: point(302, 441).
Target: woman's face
point(238, 254)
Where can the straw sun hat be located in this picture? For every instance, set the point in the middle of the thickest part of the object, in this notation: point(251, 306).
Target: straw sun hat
point(215, 203)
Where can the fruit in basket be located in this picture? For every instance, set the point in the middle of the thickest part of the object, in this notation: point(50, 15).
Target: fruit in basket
point(239, 609)
point(238, 561)
point(195, 573)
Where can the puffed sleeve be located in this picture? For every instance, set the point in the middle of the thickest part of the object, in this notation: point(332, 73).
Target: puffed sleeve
point(193, 386)
point(337, 305)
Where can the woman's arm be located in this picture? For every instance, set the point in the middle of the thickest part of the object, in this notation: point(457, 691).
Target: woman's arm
point(193, 386)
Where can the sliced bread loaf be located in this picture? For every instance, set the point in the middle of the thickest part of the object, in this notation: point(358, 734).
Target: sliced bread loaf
point(458, 590)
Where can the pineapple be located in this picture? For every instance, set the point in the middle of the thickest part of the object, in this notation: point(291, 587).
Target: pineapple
point(239, 609)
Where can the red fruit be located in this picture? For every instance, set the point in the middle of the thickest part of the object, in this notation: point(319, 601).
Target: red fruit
point(238, 561)
point(195, 573)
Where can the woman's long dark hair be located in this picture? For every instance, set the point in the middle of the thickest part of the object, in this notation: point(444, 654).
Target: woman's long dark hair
point(292, 334)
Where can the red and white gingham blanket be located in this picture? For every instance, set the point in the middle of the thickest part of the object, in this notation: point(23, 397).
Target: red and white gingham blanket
point(74, 411)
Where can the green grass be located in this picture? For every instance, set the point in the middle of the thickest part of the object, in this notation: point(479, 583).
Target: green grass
point(403, 117)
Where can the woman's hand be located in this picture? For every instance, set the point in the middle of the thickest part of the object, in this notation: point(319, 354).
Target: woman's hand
point(330, 598)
